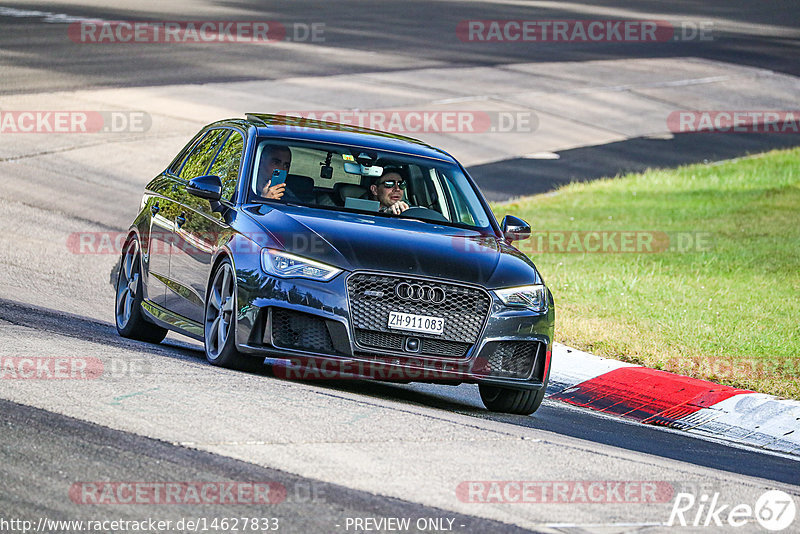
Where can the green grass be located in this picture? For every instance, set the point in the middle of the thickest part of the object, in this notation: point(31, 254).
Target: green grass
point(727, 311)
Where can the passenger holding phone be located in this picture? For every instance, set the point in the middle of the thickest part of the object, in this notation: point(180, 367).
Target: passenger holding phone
point(272, 171)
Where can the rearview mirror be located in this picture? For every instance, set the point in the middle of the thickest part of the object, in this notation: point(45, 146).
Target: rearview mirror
point(515, 229)
point(208, 186)
point(367, 159)
point(356, 168)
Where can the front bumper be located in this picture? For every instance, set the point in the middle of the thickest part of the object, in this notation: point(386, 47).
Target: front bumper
point(308, 330)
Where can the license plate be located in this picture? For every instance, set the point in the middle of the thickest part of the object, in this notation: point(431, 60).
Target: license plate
point(416, 323)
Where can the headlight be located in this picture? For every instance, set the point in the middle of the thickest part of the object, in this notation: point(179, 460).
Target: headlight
point(531, 297)
point(285, 265)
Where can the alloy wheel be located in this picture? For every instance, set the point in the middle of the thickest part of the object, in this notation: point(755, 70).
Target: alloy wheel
point(128, 283)
point(219, 311)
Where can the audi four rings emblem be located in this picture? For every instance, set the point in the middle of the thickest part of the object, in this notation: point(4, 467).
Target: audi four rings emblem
point(419, 292)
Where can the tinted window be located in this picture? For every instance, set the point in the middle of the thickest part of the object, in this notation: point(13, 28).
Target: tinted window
point(352, 178)
point(200, 158)
point(181, 158)
point(226, 166)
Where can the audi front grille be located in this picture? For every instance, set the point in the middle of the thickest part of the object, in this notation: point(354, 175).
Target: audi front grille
point(372, 296)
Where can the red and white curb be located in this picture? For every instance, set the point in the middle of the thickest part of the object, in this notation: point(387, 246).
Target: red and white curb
point(666, 399)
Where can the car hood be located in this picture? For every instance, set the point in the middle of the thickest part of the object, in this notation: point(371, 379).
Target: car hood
point(354, 242)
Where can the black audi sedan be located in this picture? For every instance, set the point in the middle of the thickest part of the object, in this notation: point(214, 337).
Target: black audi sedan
point(333, 251)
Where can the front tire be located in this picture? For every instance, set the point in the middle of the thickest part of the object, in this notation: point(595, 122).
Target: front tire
point(220, 318)
point(128, 303)
point(516, 401)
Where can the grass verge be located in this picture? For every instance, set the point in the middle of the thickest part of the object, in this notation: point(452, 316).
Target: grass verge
point(694, 270)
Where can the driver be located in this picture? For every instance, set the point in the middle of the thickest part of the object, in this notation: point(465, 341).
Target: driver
point(273, 157)
point(389, 190)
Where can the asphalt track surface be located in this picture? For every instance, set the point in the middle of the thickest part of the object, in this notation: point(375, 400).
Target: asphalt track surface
point(588, 163)
point(68, 449)
point(553, 417)
point(44, 451)
point(42, 454)
point(417, 32)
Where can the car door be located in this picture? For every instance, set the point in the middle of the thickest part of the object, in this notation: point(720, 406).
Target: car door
point(161, 206)
point(202, 227)
point(196, 164)
point(159, 242)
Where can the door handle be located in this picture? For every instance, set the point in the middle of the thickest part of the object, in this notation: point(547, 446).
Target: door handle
point(155, 209)
point(180, 220)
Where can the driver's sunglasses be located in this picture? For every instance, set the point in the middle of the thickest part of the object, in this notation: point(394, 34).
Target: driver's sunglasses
point(389, 184)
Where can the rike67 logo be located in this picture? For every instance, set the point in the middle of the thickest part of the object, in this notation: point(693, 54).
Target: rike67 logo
point(775, 510)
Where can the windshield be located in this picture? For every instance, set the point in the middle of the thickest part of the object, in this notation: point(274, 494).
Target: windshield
point(357, 179)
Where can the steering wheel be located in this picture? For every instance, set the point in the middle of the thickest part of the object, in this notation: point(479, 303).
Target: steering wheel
point(418, 212)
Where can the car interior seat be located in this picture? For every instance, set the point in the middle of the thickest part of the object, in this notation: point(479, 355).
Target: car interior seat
point(301, 186)
point(342, 191)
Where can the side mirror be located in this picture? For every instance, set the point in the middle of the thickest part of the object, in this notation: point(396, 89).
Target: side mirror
point(515, 229)
point(208, 186)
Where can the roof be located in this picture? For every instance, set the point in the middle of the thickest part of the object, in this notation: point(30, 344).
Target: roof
point(314, 130)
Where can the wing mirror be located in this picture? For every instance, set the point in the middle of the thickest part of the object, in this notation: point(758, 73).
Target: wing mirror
point(208, 186)
point(515, 229)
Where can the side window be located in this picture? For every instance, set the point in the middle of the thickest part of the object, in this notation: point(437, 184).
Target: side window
point(200, 158)
point(226, 166)
point(460, 205)
point(183, 154)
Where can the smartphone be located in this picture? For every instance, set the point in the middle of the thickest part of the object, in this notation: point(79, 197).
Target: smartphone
point(278, 177)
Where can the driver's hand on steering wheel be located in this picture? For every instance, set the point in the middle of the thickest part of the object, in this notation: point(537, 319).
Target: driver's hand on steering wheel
point(397, 208)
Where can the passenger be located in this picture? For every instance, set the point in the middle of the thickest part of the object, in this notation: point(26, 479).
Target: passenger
point(388, 190)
